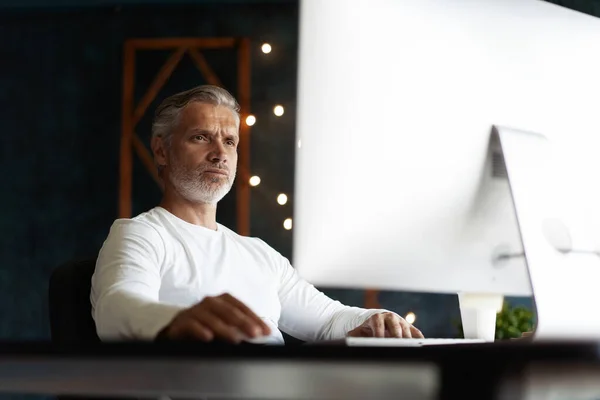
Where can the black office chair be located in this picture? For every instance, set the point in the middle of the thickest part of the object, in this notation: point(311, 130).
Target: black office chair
point(70, 309)
point(71, 319)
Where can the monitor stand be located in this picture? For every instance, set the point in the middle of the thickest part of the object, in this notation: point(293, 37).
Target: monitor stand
point(564, 273)
point(478, 314)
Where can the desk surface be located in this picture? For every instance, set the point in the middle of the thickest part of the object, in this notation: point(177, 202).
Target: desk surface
point(193, 370)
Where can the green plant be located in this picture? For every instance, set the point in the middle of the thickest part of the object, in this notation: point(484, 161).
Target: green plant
point(511, 322)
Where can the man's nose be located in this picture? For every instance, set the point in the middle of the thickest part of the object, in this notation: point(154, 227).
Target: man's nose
point(218, 153)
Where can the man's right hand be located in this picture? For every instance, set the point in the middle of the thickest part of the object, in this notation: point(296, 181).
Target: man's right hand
point(222, 317)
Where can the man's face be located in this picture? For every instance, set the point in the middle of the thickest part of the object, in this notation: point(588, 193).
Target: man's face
point(202, 156)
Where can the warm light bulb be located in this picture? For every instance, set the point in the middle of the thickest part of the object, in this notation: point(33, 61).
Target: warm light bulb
point(410, 318)
point(254, 181)
point(287, 224)
point(282, 198)
point(250, 120)
point(299, 143)
point(266, 48)
point(278, 110)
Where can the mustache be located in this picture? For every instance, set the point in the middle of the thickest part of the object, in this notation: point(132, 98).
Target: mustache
point(204, 167)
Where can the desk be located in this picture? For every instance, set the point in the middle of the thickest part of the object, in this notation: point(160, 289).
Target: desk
point(192, 370)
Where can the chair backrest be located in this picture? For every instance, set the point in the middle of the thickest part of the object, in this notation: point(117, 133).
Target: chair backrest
point(69, 302)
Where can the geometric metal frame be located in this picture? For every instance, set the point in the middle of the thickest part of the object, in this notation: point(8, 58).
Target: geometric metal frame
point(131, 114)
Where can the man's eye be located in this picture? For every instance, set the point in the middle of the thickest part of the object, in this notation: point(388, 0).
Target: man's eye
point(199, 137)
point(230, 143)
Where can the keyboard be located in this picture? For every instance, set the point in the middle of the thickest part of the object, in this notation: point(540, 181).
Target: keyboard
point(396, 342)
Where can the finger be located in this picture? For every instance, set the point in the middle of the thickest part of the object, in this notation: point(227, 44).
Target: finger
point(193, 329)
point(405, 328)
point(361, 331)
point(377, 324)
point(247, 311)
point(416, 333)
point(393, 326)
point(235, 317)
point(174, 331)
point(189, 329)
point(220, 328)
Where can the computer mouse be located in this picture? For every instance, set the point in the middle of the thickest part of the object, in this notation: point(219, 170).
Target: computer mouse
point(259, 340)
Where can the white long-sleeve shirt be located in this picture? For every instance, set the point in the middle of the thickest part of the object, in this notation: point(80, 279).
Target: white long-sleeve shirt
point(155, 265)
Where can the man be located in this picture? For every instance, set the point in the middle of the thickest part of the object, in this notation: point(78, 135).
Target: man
point(174, 272)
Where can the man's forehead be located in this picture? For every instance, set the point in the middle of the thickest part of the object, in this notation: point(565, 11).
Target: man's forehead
point(209, 112)
point(214, 129)
point(208, 118)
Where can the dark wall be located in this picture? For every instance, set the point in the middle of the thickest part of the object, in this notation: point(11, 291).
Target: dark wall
point(591, 7)
point(60, 90)
point(60, 97)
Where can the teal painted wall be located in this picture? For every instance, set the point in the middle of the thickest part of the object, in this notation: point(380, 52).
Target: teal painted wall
point(60, 90)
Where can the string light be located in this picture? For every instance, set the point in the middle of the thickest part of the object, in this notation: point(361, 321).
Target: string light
point(266, 48)
point(282, 198)
point(287, 224)
point(410, 318)
point(250, 120)
point(278, 110)
point(255, 181)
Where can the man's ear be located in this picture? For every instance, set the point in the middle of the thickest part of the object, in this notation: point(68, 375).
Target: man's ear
point(159, 151)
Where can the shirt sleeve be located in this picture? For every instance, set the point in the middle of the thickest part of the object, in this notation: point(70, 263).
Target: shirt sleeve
point(309, 315)
point(126, 284)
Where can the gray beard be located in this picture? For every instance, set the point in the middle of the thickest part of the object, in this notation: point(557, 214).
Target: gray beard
point(199, 188)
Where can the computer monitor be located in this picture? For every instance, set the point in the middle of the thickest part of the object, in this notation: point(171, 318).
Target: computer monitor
point(397, 183)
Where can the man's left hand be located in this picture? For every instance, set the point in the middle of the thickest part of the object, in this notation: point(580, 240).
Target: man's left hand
point(386, 324)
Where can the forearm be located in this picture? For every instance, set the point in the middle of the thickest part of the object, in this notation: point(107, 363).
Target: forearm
point(310, 315)
point(344, 320)
point(121, 316)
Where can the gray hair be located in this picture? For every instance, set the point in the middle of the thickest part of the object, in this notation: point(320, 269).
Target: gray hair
point(167, 113)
